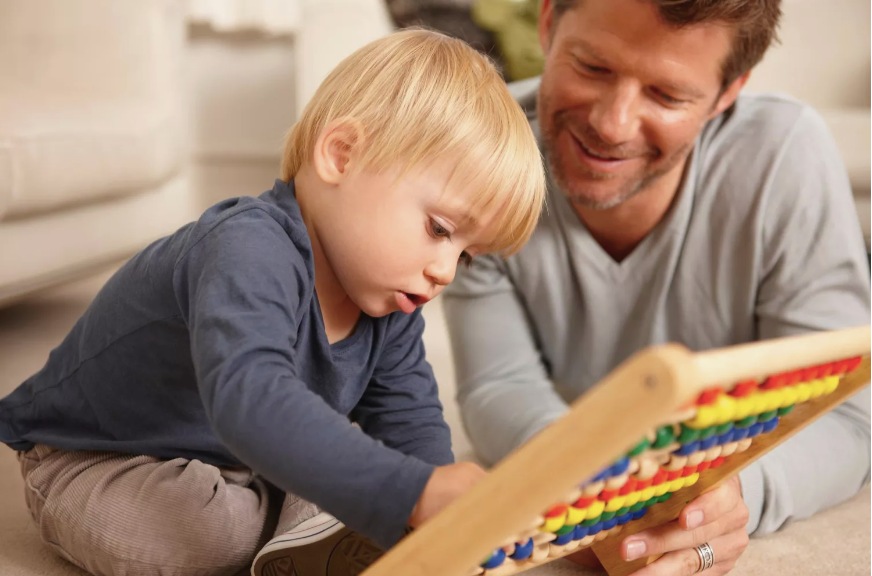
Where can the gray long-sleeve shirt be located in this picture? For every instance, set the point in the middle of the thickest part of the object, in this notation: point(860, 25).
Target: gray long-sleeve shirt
point(209, 344)
point(762, 241)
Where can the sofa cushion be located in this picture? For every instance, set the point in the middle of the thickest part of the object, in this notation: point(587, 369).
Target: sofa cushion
point(89, 102)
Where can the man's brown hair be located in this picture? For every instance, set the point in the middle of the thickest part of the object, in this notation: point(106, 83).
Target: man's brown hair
point(754, 23)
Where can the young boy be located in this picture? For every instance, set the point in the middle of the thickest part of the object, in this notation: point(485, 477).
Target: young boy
point(272, 349)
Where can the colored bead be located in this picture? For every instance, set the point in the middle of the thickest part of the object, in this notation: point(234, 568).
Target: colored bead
point(688, 434)
point(620, 467)
point(785, 410)
point(770, 425)
point(574, 515)
point(665, 436)
point(596, 509)
point(639, 448)
point(495, 560)
point(688, 448)
point(616, 503)
point(708, 396)
point(743, 388)
point(523, 551)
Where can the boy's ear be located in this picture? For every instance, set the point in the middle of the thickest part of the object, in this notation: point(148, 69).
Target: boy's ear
point(335, 149)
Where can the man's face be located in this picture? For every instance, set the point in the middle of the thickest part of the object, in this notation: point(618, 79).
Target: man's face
point(623, 97)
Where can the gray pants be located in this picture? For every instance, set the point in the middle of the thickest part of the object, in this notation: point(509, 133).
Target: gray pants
point(120, 515)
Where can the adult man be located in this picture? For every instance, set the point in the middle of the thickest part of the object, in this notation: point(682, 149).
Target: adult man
point(678, 211)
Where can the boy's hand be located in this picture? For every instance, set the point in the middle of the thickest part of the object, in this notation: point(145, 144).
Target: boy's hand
point(445, 485)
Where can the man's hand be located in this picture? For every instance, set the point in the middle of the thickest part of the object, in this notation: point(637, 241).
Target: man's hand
point(446, 484)
point(718, 518)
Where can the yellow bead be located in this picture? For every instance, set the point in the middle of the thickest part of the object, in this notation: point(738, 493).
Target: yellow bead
point(554, 524)
point(595, 509)
point(676, 485)
point(647, 493)
point(691, 480)
point(661, 489)
point(832, 383)
point(615, 503)
point(804, 392)
point(574, 516)
point(633, 498)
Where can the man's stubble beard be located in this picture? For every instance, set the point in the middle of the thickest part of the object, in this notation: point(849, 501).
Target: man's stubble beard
point(579, 196)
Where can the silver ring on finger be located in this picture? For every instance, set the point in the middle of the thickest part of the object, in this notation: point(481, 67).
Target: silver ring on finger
point(706, 557)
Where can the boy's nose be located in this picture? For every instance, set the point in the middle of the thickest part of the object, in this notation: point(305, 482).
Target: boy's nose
point(441, 270)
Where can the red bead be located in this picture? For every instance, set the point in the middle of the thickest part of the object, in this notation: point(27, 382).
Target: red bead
point(607, 495)
point(717, 461)
point(659, 478)
point(774, 382)
point(826, 369)
point(584, 502)
point(743, 388)
point(630, 486)
point(688, 470)
point(642, 484)
point(673, 475)
point(556, 511)
point(708, 396)
point(703, 466)
point(853, 363)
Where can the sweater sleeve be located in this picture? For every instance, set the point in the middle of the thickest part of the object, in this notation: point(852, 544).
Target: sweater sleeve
point(401, 405)
point(503, 389)
point(814, 277)
point(241, 287)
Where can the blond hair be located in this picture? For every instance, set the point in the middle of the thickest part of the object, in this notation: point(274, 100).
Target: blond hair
point(423, 97)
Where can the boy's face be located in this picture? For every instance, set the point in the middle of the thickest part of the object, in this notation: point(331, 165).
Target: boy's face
point(395, 243)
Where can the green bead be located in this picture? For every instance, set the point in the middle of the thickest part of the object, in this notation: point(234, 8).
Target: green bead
point(665, 436)
point(785, 410)
point(746, 422)
point(639, 448)
point(688, 434)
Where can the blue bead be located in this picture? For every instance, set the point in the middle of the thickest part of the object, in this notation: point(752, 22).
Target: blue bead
point(580, 532)
point(498, 558)
point(595, 529)
point(755, 430)
point(609, 524)
point(620, 467)
point(769, 425)
point(624, 518)
point(687, 449)
point(740, 433)
point(639, 513)
point(708, 443)
point(523, 551)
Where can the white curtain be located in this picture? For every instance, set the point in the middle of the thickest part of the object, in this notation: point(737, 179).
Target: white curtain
point(274, 17)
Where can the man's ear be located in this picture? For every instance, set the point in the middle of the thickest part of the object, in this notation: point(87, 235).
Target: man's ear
point(546, 19)
point(335, 149)
point(728, 96)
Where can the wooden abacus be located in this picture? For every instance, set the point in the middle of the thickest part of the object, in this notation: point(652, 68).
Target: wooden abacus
point(701, 417)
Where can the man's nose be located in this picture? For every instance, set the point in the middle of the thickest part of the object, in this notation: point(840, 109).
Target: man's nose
point(614, 115)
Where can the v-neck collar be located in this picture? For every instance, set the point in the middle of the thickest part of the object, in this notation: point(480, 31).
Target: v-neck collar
point(644, 255)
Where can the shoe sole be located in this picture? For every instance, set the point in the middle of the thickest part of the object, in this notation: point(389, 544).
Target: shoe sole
point(344, 553)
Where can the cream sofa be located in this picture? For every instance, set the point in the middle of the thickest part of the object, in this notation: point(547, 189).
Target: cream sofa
point(110, 108)
point(92, 135)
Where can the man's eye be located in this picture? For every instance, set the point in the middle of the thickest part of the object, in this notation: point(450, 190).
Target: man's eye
point(667, 99)
point(438, 230)
point(465, 258)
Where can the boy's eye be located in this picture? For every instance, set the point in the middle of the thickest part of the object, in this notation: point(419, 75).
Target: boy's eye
point(438, 230)
point(465, 258)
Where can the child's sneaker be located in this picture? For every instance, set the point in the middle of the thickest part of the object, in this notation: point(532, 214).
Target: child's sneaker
point(320, 546)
